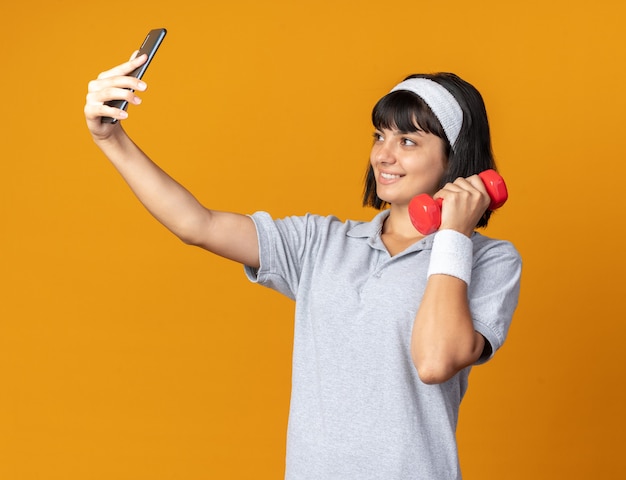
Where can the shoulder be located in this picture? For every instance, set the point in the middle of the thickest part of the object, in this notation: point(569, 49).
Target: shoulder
point(484, 245)
point(496, 270)
point(309, 222)
point(495, 260)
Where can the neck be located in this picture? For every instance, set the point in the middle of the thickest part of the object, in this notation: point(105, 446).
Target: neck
point(398, 232)
point(398, 223)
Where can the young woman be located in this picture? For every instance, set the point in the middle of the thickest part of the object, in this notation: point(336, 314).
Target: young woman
point(389, 322)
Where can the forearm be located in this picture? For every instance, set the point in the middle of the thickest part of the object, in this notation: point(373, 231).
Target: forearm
point(444, 340)
point(168, 201)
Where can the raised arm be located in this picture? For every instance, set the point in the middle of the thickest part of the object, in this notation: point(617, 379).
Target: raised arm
point(444, 340)
point(226, 234)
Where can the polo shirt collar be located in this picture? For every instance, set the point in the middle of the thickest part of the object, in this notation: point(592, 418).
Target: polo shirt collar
point(372, 230)
point(369, 229)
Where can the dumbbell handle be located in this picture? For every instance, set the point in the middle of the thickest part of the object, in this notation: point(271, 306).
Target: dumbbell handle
point(425, 212)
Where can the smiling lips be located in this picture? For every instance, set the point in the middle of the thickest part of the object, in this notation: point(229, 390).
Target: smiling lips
point(389, 176)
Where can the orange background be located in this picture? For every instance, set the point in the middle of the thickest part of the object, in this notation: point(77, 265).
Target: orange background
point(126, 355)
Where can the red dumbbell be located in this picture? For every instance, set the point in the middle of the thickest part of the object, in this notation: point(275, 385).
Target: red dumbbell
point(425, 212)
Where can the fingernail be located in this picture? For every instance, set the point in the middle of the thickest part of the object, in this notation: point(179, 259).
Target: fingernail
point(141, 85)
point(136, 100)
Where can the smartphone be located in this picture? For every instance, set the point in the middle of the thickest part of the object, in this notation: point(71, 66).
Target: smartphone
point(149, 46)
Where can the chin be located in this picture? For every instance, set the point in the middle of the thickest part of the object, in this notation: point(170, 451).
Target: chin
point(390, 198)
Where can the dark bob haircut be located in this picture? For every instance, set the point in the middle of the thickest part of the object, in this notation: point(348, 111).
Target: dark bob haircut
point(405, 111)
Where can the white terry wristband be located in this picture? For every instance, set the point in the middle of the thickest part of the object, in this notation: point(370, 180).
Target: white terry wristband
point(452, 255)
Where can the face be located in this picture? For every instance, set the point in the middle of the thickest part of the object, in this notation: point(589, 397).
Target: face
point(406, 164)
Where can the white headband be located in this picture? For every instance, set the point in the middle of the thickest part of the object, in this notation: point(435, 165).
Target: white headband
point(441, 102)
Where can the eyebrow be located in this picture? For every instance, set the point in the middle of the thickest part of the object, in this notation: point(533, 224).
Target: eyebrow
point(396, 131)
point(418, 131)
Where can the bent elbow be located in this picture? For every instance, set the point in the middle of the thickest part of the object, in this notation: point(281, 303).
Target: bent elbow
point(436, 368)
point(186, 238)
point(433, 373)
point(432, 367)
point(192, 232)
point(189, 240)
point(440, 364)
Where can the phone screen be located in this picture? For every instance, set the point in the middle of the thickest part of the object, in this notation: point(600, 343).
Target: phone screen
point(149, 46)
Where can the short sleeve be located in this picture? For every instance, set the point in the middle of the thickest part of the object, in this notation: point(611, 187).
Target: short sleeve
point(282, 246)
point(494, 292)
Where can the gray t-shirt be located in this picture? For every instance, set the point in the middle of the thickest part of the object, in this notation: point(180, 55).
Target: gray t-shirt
point(358, 408)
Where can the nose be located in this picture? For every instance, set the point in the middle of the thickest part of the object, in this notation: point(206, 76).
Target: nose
point(383, 153)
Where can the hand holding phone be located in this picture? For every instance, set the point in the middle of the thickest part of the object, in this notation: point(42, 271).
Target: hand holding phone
point(149, 47)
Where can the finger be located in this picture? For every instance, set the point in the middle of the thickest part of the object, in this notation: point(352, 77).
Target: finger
point(461, 192)
point(472, 190)
point(450, 188)
point(117, 81)
point(104, 84)
point(471, 186)
point(475, 182)
point(124, 68)
point(100, 97)
point(464, 183)
point(96, 111)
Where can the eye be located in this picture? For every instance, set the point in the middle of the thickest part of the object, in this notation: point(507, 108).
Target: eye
point(408, 142)
point(378, 137)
